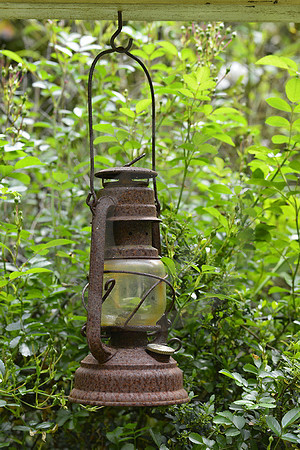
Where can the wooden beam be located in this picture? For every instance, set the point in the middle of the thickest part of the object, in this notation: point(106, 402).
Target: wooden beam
point(150, 10)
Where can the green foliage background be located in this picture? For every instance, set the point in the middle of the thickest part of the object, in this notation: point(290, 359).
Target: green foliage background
point(228, 133)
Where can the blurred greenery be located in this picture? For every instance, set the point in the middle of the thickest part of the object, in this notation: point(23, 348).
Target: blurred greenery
point(228, 133)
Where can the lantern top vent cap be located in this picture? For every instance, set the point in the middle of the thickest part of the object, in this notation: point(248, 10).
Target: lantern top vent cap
point(126, 173)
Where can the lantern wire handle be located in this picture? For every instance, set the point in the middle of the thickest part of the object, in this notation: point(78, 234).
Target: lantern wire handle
point(92, 198)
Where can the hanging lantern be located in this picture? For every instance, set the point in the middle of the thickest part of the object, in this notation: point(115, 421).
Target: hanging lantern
point(127, 287)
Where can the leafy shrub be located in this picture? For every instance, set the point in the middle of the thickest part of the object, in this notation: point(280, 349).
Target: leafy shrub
point(229, 190)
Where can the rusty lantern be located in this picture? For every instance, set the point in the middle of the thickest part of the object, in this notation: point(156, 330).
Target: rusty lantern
point(127, 287)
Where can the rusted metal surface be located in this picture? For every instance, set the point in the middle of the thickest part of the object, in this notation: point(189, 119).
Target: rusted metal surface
point(124, 373)
point(132, 377)
point(93, 330)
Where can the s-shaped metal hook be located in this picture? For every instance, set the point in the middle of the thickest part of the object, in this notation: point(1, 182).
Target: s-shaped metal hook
point(119, 49)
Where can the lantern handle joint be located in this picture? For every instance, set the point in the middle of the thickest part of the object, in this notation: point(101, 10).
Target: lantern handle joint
point(91, 200)
point(120, 49)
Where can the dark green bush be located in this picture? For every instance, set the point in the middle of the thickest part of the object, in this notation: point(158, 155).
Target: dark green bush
point(228, 133)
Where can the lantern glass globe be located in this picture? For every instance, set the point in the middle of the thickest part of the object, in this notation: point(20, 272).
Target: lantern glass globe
point(129, 290)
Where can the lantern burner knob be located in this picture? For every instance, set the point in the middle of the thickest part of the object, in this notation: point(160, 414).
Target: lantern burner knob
point(161, 349)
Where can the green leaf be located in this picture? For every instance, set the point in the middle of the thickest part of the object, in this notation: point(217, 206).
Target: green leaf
point(14, 326)
point(216, 213)
point(114, 436)
point(280, 139)
point(128, 446)
point(227, 373)
point(5, 170)
point(29, 161)
point(157, 54)
point(247, 403)
point(275, 289)
point(250, 368)
point(279, 103)
point(142, 105)
point(296, 124)
point(277, 61)
point(15, 57)
point(18, 274)
point(15, 275)
point(103, 139)
point(78, 318)
point(238, 377)
point(207, 148)
point(290, 417)
point(186, 92)
point(25, 350)
point(105, 128)
point(224, 138)
point(14, 342)
point(21, 428)
point(44, 426)
point(195, 438)
point(278, 121)
point(128, 112)
point(60, 177)
point(292, 90)
point(23, 177)
point(191, 82)
point(274, 425)
point(53, 243)
point(169, 47)
point(202, 74)
point(266, 405)
point(205, 268)
point(170, 264)
point(290, 437)
point(42, 125)
point(222, 420)
point(220, 189)
point(225, 110)
point(227, 414)
point(239, 422)
point(232, 432)
point(295, 165)
point(187, 53)
point(262, 233)
point(37, 270)
point(199, 139)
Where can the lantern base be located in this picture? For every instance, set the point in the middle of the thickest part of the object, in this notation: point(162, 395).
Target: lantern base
point(133, 377)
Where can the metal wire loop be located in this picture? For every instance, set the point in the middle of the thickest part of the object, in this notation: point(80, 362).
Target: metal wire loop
point(177, 341)
point(119, 49)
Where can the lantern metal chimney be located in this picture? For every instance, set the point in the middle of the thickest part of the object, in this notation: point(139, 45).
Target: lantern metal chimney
point(126, 289)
